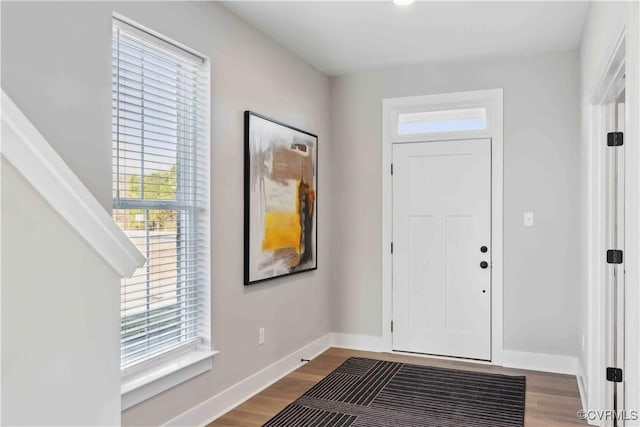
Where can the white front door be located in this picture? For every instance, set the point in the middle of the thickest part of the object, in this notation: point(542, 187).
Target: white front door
point(442, 248)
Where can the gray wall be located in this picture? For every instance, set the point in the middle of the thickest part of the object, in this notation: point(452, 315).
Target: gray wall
point(541, 174)
point(62, 81)
point(59, 316)
point(56, 65)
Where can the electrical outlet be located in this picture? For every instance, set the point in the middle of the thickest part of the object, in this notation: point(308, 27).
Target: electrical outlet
point(261, 336)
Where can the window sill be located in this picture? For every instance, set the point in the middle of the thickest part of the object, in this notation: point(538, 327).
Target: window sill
point(140, 386)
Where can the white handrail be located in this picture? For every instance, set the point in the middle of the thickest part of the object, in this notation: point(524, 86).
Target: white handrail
point(27, 150)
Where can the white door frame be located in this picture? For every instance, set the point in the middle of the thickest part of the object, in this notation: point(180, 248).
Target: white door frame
point(492, 100)
point(605, 92)
point(632, 211)
point(624, 60)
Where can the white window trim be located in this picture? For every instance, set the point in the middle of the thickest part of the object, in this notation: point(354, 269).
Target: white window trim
point(138, 385)
point(492, 100)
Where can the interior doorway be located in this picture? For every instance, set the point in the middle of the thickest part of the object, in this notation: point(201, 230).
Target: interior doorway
point(607, 370)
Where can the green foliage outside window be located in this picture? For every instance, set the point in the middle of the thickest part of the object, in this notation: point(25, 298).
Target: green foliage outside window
point(157, 186)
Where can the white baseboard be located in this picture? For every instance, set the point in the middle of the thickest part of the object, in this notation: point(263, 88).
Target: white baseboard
point(223, 402)
point(582, 386)
point(357, 342)
point(233, 396)
point(512, 359)
point(555, 363)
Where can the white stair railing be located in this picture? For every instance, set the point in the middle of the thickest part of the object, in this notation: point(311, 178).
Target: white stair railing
point(28, 151)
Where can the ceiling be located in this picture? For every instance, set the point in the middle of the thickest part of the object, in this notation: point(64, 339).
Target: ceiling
point(342, 36)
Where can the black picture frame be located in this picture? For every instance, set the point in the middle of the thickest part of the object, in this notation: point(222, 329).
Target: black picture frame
point(280, 199)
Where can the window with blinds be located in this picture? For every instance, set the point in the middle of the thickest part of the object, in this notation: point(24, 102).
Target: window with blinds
point(160, 189)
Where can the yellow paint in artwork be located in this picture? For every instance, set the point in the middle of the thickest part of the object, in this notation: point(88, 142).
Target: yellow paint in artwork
point(282, 231)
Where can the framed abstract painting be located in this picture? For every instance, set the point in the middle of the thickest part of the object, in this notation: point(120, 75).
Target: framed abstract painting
point(281, 182)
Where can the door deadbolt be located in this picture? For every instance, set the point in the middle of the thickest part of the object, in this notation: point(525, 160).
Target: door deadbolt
point(483, 249)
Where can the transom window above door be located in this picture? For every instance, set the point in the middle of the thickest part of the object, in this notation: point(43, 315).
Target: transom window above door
point(455, 120)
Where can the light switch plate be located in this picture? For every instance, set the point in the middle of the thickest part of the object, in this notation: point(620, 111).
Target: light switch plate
point(528, 219)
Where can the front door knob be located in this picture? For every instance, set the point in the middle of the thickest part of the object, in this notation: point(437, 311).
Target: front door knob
point(484, 264)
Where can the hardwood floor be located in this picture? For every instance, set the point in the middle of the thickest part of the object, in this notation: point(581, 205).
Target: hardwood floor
point(552, 400)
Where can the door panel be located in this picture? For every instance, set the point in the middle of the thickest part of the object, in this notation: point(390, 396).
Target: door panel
point(441, 218)
point(458, 282)
point(422, 260)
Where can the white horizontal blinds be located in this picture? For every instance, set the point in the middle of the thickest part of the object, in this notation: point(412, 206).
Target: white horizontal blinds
point(160, 191)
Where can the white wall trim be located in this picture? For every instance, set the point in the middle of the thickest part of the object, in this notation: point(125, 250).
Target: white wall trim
point(632, 211)
point(609, 82)
point(511, 359)
point(555, 363)
point(141, 386)
point(595, 291)
point(223, 402)
point(605, 91)
point(27, 150)
point(358, 342)
point(492, 99)
point(582, 386)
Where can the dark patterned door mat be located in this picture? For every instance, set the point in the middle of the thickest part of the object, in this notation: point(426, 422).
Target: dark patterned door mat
point(374, 393)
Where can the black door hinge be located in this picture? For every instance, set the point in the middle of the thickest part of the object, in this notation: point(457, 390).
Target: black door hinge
point(614, 256)
point(391, 168)
point(391, 247)
point(392, 326)
point(614, 139)
point(614, 375)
